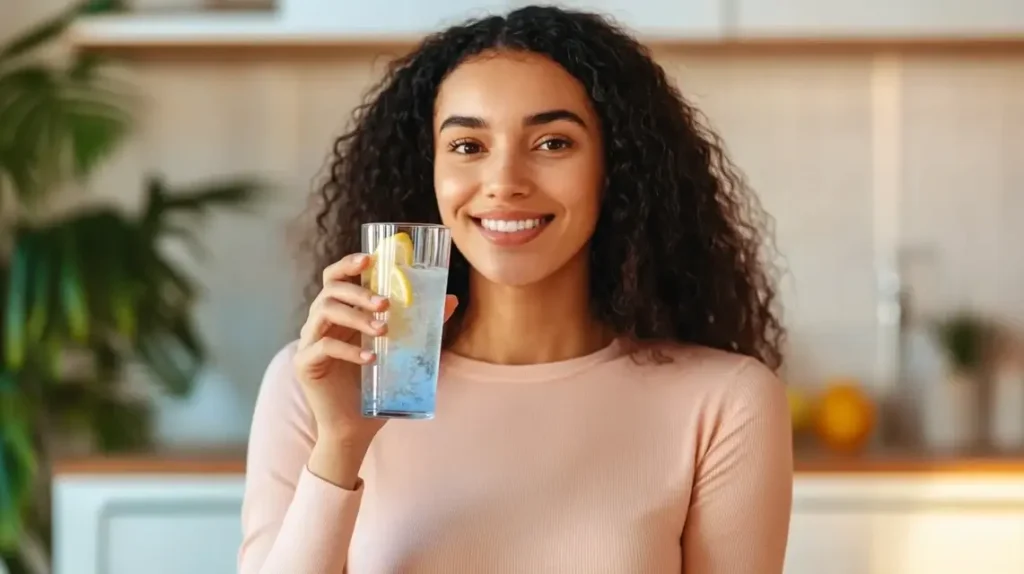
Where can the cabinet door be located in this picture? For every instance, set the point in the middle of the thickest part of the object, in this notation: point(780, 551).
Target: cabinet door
point(156, 525)
point(161, 537)
point(833, 542)
point(926, 525)
point(657, 19)
point(880, 18)
point(951, 539)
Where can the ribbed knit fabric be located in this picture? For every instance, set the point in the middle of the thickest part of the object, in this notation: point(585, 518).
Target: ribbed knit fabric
point(592, 465)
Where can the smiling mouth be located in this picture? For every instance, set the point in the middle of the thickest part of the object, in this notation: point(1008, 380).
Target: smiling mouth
point(512, 231)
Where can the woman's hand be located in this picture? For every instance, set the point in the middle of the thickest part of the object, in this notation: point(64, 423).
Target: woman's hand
point(330, 355)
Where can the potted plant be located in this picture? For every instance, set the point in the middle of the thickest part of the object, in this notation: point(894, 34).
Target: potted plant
point(952, 404)
point(85, 294)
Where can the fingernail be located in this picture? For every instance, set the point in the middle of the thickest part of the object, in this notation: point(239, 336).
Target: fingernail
point(366, 355)
point(378, 300)
point(377, 324)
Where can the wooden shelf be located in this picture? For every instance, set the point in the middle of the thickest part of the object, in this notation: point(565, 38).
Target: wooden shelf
point(262, 31)
point(809, 464)
point(230, 461)
point(910, 463)
point(217, 30)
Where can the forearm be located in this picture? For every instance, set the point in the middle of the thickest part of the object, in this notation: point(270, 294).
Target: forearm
point(315, 532)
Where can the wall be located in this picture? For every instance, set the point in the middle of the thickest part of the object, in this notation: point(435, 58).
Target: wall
point(852, 153)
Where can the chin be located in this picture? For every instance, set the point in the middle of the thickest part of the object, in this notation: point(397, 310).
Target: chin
point(518, 274)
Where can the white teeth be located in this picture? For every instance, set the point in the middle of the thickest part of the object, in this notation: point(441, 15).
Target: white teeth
point(510, 226)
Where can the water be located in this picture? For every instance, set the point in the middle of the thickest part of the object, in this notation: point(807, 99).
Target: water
point(402, 383)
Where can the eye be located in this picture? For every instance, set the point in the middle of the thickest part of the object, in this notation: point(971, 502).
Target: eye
point(465, 147)
point(555, 144)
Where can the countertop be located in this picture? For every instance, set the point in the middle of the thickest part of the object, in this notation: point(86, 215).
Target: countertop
point(232, 462)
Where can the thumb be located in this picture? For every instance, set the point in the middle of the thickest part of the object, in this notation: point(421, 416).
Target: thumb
point(450, 303)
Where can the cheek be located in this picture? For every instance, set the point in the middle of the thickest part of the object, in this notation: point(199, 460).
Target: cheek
point(578, 190)
point(454, 189)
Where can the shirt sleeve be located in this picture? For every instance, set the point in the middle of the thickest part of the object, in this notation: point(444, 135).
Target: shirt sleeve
point(293, 522)
point(738, 520)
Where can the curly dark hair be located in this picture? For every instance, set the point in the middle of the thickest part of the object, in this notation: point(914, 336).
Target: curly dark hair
point(679, 249)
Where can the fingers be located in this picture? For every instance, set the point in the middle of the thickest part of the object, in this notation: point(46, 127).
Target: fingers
point(351, 294)
point(346, 306)
point(315, 359)
point(346, 268)
point(450, 303)
point(334, 313)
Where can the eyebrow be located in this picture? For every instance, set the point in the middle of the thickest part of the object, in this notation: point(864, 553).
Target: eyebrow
point(538, 119)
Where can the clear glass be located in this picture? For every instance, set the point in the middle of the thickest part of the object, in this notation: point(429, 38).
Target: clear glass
point(411, 270)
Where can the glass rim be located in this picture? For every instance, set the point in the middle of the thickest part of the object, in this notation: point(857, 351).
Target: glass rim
point(405, 224)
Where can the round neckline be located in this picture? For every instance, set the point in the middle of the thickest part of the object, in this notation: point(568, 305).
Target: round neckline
point(537, 372)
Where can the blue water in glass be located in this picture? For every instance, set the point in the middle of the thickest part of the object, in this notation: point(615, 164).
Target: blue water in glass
point(402, 383)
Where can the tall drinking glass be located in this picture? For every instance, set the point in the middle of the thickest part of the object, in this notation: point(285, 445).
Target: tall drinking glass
point(410, 268)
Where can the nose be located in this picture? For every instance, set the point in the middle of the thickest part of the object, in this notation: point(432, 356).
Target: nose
point(506, 179)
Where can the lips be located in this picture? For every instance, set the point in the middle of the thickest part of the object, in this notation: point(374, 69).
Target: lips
point(511, 228)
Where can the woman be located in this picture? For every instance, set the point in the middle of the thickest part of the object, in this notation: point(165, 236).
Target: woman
point(607, 396)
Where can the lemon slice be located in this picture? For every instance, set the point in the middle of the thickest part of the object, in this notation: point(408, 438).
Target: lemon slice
point(390, 256)
point(395, 250)
point(400, 288)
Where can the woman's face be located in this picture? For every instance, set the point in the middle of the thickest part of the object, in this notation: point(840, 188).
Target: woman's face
point(518, 165)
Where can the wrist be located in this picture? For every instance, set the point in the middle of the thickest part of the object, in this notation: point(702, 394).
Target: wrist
point(343, 439)
point(338, 461)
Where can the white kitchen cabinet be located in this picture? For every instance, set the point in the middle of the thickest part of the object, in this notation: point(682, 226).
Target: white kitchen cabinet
point(348, 22)
point(657, 19)
point(825, 19)
point(828, 543)
point(159, 524)
point(653, 18)
point(907, 525)
point(857, 523)
point(381, 17)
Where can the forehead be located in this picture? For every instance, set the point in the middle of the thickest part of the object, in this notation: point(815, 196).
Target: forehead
point(512, 85)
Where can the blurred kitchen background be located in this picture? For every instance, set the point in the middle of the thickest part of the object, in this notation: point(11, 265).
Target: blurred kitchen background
point(885, 137)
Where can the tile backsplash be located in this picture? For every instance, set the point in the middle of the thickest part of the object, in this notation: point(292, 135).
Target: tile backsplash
point(941, 167)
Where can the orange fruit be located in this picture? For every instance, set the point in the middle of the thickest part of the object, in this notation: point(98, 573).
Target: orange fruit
point(845, 417)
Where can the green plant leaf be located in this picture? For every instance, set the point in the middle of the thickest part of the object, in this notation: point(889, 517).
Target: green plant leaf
point(234, 193)
point(35, 37)
point(153, 212)
point(10, 515)
point(56, 125)
point(16, 309)
point(175, 376)
point(18, 468)
point(102, 6)
point(94, 130)
point(163, 204)
point(41, 301)
point(50, 29)
point(23, 128)
point(965, 338)
point(122, 425)
point(73, 295)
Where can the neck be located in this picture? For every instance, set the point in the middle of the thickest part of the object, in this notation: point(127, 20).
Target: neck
point(540, 323)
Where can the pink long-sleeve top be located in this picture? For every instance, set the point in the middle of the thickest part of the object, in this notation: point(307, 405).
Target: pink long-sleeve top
point(592, 465)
